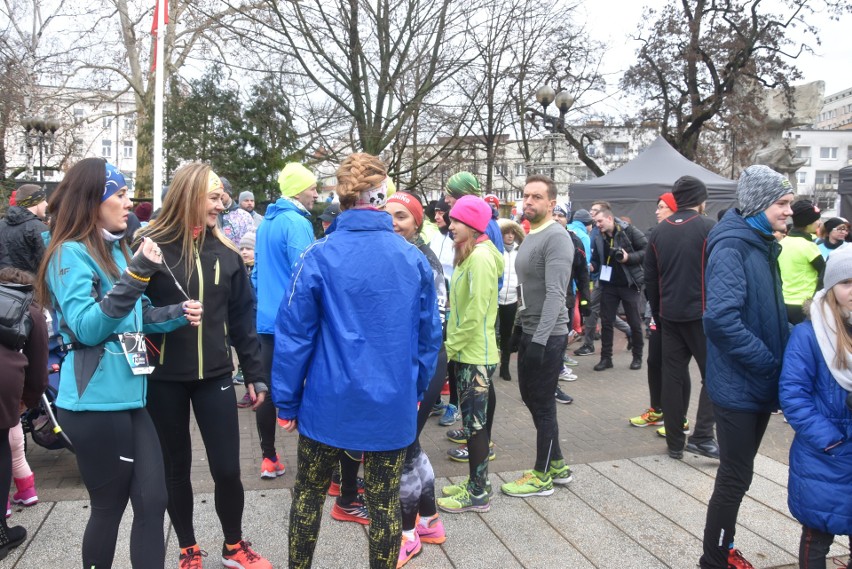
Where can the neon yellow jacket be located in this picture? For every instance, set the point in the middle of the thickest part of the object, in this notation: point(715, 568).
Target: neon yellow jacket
point(471, 338)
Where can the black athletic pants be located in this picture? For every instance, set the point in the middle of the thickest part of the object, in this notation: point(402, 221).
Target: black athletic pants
point(813, 548)
point(212, 402)
point(506, 322)
point(265, 416)
point(739, 433)
point(655, 367)
point(633, 304)
point(119, 458)
point(537, 384)
point(681, 342)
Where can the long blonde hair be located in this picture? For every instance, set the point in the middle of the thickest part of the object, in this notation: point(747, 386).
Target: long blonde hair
point(358, 173)
point(184, 210)
point(465, 249)
point(839, 320)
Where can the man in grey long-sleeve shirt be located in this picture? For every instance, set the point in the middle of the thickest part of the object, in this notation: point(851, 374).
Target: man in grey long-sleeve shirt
point(543, 265)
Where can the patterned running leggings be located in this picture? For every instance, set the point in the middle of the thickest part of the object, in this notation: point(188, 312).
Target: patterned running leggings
point(382, 471)
point(474, 383)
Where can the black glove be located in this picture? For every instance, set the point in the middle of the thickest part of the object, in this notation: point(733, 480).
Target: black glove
point(535, 354)
point(585, 308)
point(515, 340)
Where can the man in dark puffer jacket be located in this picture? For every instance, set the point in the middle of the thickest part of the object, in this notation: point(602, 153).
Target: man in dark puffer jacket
point(746, 326)
point(20, 231)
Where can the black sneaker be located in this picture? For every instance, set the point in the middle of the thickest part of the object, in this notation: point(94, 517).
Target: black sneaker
point(562, 397)
point(708, 448)
point(584, 351)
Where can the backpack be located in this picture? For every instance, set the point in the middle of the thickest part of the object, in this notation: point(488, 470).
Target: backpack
point(15, 320)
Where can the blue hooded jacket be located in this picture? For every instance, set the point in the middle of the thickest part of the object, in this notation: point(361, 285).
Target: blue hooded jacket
point(283, 236)
point(744, 319)
point(357, 336)
point(815, 406)
point(580, 231)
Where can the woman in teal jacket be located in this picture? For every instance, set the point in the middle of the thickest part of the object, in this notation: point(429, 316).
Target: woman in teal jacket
point(472, 344)
point(97, 290)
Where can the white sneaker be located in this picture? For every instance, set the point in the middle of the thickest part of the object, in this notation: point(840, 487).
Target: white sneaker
point(567, 375)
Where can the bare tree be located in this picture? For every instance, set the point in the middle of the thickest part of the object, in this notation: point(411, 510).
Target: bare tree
point(696, 53)
point(358, 55)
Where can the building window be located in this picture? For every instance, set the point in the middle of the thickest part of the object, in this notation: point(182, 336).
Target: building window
point(107, 122)
point(79, 113)
point(618, 149)
point(500, 168)
point(828, 152)
point(824, 177)
point(801, 177)
point(77, 147)
point(128, 149)
point(130, 122)
point(106, 148)
point(520, 169)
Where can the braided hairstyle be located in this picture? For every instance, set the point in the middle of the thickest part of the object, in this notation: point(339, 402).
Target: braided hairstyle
point(358, 173)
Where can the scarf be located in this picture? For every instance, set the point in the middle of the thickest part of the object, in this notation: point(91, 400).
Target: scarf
point(111, 237)
point(759, 222)
point(827, 341)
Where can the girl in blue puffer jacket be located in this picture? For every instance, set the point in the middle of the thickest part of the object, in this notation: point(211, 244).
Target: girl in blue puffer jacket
point(815, 383)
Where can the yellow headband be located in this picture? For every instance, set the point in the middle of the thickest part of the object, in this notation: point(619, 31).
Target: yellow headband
point(213, 182)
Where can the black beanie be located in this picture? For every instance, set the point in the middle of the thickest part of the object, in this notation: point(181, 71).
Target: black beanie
point(804, 213)
point(689, 192)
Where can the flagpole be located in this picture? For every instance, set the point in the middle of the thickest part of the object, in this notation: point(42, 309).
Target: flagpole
point(159, 80)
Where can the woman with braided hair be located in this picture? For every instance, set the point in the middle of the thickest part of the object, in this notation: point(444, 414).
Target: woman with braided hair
point(356, 343)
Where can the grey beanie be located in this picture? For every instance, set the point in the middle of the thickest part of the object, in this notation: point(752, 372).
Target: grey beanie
point(760, 187)
point(246, 195)
point(583, 216)
point(838, 268)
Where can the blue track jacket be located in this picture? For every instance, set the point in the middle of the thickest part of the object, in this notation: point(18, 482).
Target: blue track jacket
point(357, 336)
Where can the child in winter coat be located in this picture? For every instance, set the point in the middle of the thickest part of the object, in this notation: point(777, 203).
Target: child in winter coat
point(814, 386)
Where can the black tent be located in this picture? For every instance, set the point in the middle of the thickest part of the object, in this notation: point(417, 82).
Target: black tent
point(844, 192)
point(634, 189)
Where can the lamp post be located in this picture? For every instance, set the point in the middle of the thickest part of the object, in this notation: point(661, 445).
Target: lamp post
point(40, 131)
point(546, 95)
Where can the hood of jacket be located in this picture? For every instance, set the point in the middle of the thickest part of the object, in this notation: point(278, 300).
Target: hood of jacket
point(577, 227)
point(283, 205)
point(16, 215)
point(733, 226)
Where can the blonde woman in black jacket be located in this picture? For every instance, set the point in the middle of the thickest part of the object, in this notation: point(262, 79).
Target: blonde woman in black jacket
point(194, 364)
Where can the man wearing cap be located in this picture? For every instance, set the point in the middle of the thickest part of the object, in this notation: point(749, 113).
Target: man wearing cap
point(281, 239)
point(233, 221)
point(328, 216)
point(674, 275)
point(21, 229)
point(800, 261)
point(543, 265)
point(247, 205)
point(746, 326)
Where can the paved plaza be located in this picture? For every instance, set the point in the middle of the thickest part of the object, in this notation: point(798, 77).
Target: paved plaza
point(629, 504)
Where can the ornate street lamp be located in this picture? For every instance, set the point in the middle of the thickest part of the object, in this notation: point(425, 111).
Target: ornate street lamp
point(546, 95)
point(40, 131)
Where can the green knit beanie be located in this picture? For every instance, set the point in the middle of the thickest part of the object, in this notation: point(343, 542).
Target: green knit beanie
point(463, 184)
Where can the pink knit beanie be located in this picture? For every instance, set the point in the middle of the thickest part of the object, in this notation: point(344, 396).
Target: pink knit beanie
point(472, 211)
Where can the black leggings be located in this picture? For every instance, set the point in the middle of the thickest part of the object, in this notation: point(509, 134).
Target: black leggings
point(265, 416)
point(213, 405)
point(813, 548)
point(5, 464)
point(119, 459)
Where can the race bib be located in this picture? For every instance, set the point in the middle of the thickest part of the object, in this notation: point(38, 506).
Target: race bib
point(133, 344)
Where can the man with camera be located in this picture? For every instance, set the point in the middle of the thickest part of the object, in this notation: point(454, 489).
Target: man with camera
point(619, 260)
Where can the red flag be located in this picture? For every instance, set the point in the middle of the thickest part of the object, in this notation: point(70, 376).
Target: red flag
point(165, 17)
point(154, 29)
